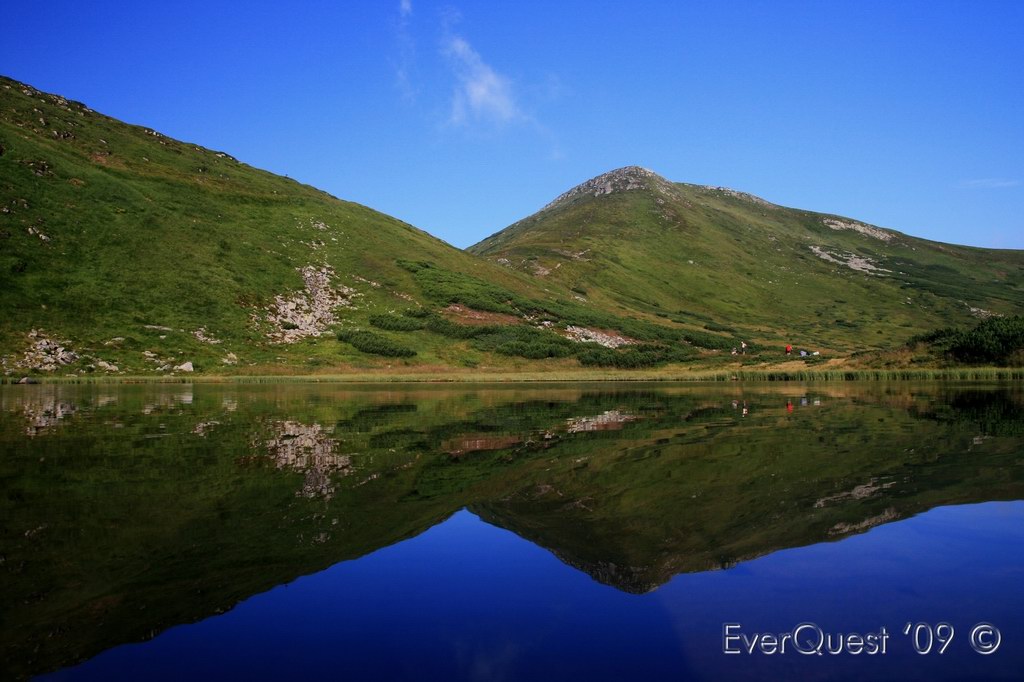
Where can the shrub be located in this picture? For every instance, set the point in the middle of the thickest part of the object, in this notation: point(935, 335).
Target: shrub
point(445, 327)
point(396, 323)
point(998, 340)
point(417, 312)
point(375, 344)
point(994, 340)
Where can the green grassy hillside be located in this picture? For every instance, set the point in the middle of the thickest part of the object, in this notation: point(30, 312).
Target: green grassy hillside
point(124, 252)
point(122, 247)
point(730, 262)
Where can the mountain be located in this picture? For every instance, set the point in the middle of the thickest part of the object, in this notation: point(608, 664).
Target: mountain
point(123, 248)
point(632, 241)
point(124, 252)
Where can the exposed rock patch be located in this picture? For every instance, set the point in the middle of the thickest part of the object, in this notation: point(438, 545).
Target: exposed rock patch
point(35, 232)
point(868, 230)
point(204, 336)
point(850, 260)
point(980, 313)
point(309, 312)
point(606, 339)
point(45, 354)
point(736, 194)
point(626, 179)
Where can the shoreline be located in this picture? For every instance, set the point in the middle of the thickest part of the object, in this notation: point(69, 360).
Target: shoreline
point(710, 376)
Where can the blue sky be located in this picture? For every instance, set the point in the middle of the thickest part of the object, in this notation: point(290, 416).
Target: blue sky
point(463, 117)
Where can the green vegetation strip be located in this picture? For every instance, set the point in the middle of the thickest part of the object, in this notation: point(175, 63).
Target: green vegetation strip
point(981, 374)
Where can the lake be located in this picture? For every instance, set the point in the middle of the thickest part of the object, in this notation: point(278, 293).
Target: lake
point(520, 532)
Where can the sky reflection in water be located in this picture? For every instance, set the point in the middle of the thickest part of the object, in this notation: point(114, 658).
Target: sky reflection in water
point(510, 534)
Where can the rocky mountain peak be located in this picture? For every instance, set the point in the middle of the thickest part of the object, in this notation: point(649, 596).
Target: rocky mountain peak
point(626, 179)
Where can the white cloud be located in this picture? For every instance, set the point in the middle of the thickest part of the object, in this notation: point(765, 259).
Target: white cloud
point(481, 94)
point(405, 65)
point(989, 183)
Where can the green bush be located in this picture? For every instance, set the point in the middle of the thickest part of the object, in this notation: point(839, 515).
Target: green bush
point(997, 340)
point(396, 323)
point(994, 340)
point(537, 350)
point(631, 358)
point(417, 312)
point(453, 330)
point(375, 344)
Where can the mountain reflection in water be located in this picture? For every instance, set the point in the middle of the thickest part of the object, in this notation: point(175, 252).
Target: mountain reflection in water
point(127, 510)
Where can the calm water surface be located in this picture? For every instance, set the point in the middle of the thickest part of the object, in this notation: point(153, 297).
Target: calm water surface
point(507, 533)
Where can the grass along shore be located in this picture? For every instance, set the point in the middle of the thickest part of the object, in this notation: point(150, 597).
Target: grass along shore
point(751, 375)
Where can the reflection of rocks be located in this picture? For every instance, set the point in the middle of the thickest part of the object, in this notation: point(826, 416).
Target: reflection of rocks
point(861, 526)
point(611, 420)
point(858, 493)
point(43, 410)
point(311, 450)
point(167, 401)
point(632, 579)
point(46, 415)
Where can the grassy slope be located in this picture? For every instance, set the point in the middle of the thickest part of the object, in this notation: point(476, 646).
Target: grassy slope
point(145, 230)
point(142, 230)
point(713, 257)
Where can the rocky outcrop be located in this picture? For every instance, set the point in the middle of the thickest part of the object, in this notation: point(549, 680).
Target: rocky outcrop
point(868, 230)
point(626, 179)
point(309, 312)
point(606, 339)
point(204, 336)
point(850, 260)
point(736, 194)
point(46, 354)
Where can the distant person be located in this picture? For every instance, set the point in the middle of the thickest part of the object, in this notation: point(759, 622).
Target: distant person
point(789, 349)
point(743, 347)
